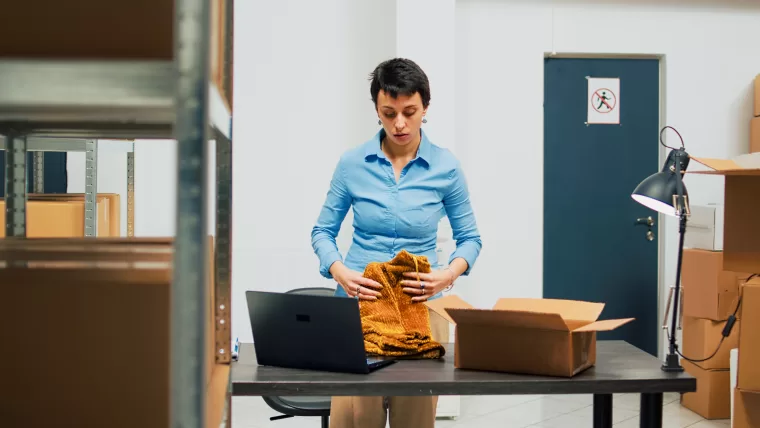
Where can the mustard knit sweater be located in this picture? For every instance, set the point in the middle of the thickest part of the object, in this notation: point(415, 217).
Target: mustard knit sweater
point(393, 324)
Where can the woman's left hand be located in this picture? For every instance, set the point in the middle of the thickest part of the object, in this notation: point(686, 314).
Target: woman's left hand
point(428, 284)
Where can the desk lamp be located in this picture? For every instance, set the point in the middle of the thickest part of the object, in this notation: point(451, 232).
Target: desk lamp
point(665, 192)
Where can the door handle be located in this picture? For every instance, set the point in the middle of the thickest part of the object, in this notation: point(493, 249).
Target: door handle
point(645, 221)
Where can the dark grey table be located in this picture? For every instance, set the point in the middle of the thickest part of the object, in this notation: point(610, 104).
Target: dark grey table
point(620, 368)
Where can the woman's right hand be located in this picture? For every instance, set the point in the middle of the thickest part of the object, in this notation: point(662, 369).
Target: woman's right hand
point(354, 283)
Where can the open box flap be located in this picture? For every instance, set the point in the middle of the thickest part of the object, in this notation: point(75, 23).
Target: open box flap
point(606, 325)
point(574, 312)
point(747, 164)
point(495, 318)
point(451, 301)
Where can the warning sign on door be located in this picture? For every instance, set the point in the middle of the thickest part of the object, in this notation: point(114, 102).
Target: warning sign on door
point(603, 100)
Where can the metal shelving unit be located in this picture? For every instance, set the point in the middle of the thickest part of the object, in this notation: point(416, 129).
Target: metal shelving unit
point(49, 104)
point(90, 147)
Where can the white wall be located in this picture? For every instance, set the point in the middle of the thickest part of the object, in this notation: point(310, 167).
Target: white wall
point(302, 98)
point(155, 184)
point(711, 55)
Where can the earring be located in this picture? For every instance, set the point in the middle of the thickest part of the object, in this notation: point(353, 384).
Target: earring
point(379, 122)
point(424, 120)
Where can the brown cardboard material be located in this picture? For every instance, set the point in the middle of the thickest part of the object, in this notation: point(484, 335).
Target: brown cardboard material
point(757, 95)
point(749, 339)
point(555, 337)
point(708, 291)
point(113, 200)
point(59, 219)
point(741, 234)
point(66, 31)
point(109, 323)
point(217, 395)
point(754, 135)
point(746, 409)
point(701, 338)
point(100, 347)
point(712, 400)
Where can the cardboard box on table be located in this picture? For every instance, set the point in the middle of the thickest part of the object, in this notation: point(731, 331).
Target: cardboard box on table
point(91, 334)
point(554, 337)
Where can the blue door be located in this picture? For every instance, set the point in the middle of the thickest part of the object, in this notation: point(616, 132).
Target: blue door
point(593, 248)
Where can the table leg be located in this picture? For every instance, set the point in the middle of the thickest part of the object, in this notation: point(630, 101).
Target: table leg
point(651, 410)
point(602, 410)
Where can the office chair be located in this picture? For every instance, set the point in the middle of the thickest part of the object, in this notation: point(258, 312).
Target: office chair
point(303, 406)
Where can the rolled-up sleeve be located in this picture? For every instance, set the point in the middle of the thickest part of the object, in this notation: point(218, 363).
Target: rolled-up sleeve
point(328, 223)
point(462, 219)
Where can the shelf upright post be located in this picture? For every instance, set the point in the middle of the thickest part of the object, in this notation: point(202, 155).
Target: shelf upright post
point(91, 189)
point(223, 250)
point(15, 185)
point(188, 335)
point(39, 172)
point(131, 193)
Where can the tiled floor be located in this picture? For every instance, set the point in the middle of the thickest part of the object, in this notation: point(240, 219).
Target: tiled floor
point(514, 411)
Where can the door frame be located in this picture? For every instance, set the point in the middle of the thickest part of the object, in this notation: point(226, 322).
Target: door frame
point(662, 282)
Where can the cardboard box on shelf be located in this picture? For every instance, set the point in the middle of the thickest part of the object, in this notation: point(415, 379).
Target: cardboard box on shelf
point(113, 200)
point(749, 339)
point(704, 229)
point(60, 219)
point(555, 337)
point(754, 135)
point(701, 339)
point(709, 291)
point(65, 31)
point(712, 400)
point(107, 324)
point(741, 230)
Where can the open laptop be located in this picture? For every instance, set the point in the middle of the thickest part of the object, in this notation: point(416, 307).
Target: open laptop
point(309, 332)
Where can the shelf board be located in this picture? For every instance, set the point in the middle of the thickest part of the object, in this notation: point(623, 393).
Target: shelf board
point(95, 99)
point(48, 144)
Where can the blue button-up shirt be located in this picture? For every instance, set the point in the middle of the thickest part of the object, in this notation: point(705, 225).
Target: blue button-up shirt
point(391, 216)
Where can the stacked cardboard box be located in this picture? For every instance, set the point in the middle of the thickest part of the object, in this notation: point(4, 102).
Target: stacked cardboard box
point(741, 253)
point(89, 325)
point(754, 128)
point(747, 393)
point(710, 295)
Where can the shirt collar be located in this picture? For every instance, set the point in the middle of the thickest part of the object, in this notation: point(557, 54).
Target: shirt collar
point(373, 148)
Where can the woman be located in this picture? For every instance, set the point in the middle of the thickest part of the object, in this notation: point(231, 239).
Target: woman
point(400, 185)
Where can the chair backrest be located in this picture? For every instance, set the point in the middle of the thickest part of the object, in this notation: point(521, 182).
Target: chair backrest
point(294, 405)
point(313, 291)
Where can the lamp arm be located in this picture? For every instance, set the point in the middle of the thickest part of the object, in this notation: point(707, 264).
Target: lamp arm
point(671, 362)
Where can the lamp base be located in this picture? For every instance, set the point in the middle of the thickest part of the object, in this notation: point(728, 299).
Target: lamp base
point(672, 364)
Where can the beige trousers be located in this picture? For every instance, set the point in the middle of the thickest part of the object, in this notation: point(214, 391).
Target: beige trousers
point(401, 412)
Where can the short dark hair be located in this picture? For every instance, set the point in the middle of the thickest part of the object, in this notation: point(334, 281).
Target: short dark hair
point(400, 76)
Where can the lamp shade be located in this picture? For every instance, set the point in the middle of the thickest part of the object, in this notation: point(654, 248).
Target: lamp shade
point(657, 191)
